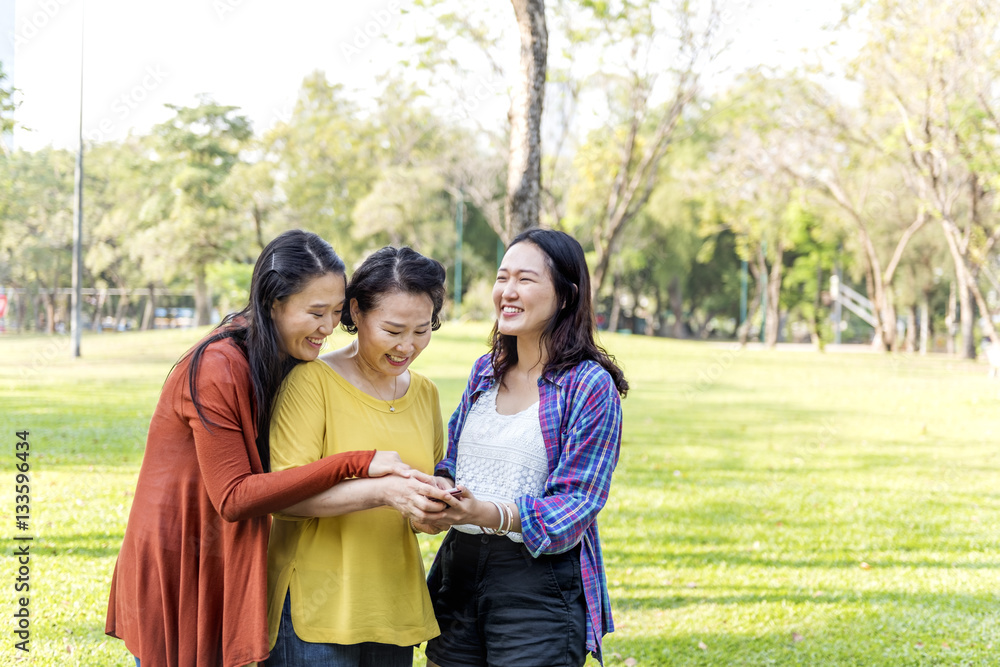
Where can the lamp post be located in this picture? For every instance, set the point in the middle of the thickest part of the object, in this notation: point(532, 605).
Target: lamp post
point(75, 323)
point(459, 231)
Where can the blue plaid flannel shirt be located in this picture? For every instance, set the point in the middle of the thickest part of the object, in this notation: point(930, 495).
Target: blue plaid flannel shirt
point(581, 421)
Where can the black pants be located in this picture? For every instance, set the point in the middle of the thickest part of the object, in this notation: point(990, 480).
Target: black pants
point(497, 605)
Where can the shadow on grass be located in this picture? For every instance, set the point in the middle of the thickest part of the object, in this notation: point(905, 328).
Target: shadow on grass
point(733, 558)
point(713, 649)
point(922, 604)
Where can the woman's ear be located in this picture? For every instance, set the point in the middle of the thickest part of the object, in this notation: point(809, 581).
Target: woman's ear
point(355, 311)
point(576, 291)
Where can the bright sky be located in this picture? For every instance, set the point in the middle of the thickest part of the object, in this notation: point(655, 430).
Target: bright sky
point(139, 55)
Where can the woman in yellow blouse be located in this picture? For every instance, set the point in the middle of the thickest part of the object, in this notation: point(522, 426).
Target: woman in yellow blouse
point(348, 588)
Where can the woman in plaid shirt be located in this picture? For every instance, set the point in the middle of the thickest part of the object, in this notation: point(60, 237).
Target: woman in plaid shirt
point(519, 578)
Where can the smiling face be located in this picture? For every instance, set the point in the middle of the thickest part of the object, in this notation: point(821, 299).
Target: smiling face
point(524, 296)
point(304, 319)
point(394, 333)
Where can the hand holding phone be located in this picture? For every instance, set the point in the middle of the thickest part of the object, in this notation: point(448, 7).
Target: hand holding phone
point(454, 493)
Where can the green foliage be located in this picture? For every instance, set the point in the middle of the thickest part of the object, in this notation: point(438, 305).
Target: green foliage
point(775, 169)
point(230, 283)
point(769, 508)
point(36, 218)
point(7, 108)
point(327, 156)
point(194, 222)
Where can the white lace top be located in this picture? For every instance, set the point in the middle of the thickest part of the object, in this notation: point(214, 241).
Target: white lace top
point(501, 457)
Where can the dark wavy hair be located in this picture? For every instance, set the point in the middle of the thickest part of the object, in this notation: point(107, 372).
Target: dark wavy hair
point(284, 268)
point(392, 270)
point(569, 337)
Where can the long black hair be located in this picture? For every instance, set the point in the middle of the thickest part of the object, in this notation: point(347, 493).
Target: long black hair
point(390, 270)
point(288, 262)
point(569, 336)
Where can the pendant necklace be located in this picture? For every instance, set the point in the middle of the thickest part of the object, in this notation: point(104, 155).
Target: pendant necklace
point(392, 406)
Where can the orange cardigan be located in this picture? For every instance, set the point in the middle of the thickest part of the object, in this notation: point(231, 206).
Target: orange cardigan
point(189, 588)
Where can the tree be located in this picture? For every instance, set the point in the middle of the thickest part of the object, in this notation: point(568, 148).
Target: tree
point(838, 153)
point(192, 220)
point(116, 189)
point(325, 159)
point(923, 67)
point(525, 163)
point(659, 251)
point(758, 197)
point(7, 108)
point(632, 38)
point(35, 226)
point(502, 175)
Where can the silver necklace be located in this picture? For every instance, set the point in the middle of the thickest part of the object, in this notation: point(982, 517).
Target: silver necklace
point(392, 406)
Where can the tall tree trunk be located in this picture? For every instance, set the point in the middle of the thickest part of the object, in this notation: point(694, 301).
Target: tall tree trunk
point(616, 306)
point(757, 269)
point(879, 281)
point(949, 318)
point(911, 329)
point(524, 169)
point(773, 325)
point(677, 307)
point(925, 323)
point(202, 299)
point(888, 318)
point(968, 289)
point(149, 315)
point(102, 296)
point(49, 301)
point(636, 309)
point(814, 333)
point(661, 325)
point(967, 323)
point(63, 308)
point(258, 223)
point(966, 314)
point(651, 313)
point(21, 312)
point(122, 311)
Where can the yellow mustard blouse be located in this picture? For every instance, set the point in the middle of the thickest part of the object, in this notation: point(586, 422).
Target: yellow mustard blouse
point(358, 577)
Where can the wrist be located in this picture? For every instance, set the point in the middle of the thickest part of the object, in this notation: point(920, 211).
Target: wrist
point(383, 490)
point(489, 516)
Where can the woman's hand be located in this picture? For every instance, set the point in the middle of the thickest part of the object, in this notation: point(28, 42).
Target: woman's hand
point(416, 496)
point(429, 528)
point(388, 463)
point(466, 509)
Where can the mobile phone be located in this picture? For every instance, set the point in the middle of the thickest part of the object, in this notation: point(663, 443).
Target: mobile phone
point(455, 493)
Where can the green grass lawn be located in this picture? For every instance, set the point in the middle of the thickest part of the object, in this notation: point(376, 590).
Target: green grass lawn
point(769, 508)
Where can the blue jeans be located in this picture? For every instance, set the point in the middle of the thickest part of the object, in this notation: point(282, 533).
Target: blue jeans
point(290, 651)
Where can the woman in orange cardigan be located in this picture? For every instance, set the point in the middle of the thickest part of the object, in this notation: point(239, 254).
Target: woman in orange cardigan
point(189, 587)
